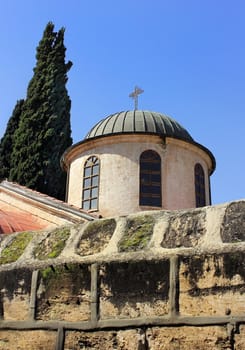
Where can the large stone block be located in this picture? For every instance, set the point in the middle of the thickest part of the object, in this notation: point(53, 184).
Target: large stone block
point(233, 226)
point(64, 293)
point(212, 285)
point(185, 229)
point(96, 236)
point(187, 338)
point(109, 340)
point(15, 294)
point(135, 289)
point(27, 340)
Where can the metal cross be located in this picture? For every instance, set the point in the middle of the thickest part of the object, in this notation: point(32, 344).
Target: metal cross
point(137, 91)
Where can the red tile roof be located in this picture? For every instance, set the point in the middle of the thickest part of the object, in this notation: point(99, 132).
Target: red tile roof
point(16, 221)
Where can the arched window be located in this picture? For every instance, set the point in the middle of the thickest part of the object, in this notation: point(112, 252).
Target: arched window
point(90, 184)
point(200, 186)
point(150, 179)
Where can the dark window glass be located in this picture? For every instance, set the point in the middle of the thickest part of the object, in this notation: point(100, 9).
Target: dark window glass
point(155, 189)
point(155, 201)
point(150, 179)
point(200, 186)
point(90, 184)
point(155, 177)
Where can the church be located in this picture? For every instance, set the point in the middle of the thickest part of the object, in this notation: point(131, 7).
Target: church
point(128, 162)
point(135, 258)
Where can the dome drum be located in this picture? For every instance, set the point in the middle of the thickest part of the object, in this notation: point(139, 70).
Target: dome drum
point(123, 183)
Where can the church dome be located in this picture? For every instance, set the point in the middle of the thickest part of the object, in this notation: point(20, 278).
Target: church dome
point(139, 122)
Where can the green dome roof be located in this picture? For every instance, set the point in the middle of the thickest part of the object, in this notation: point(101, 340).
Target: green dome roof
point(139, 122)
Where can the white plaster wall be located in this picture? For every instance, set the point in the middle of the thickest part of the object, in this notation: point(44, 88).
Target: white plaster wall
point(179, 183)
point(119, 172)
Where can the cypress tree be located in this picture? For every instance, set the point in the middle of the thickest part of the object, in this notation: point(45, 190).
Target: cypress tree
point(6, 143)
point(44, 130)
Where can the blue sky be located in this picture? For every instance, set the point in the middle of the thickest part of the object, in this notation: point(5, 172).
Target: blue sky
point(187, 55)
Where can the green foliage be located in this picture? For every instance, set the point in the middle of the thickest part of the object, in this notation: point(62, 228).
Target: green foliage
point(6, 143)
point(139, 232)
point(57, 271)
point(44, 131)
point(52, 275)
point(16, 247)
point(53, 244)
point(46, 273)
point(74, 276)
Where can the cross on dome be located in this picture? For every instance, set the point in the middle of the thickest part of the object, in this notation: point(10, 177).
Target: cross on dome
point(137, 91)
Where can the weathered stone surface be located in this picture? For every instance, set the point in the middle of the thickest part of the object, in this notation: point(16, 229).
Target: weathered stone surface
point(138, 233)
point(240, 339)
point(185, 229)
point(119, 292)
point(52, 245)
point(27, 340)
point(233, 226)
point(64, 294)
point(96, 236)
point(212, 285)
point(123, 340)
point(134, 289)
point(15, 293)
point(188, 338)
point(15, 247)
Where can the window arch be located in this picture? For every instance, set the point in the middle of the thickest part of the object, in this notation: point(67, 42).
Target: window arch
point(90, 192)
point(150, 179)
point(200, 186)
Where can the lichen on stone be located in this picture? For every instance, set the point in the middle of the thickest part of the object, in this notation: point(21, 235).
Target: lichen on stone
point(234, 264)
point(15, 248)
point(232, 229)
point(96, 236)
point(184, 230)
point(64, 293)
point(139, 231)
point(53, 244)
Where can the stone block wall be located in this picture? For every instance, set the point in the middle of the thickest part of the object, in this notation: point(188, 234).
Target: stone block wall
point(147, 282)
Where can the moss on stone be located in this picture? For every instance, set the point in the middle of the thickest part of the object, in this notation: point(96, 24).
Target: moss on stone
point(95, 237)
point(106, 227)
point(53, 244)
point(55, 276)
point(139, 232)
point(15, 248)
point(58, 270)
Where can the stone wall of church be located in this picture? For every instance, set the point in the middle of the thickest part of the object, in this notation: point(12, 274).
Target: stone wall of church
point(119, 172)
point(149, 281)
